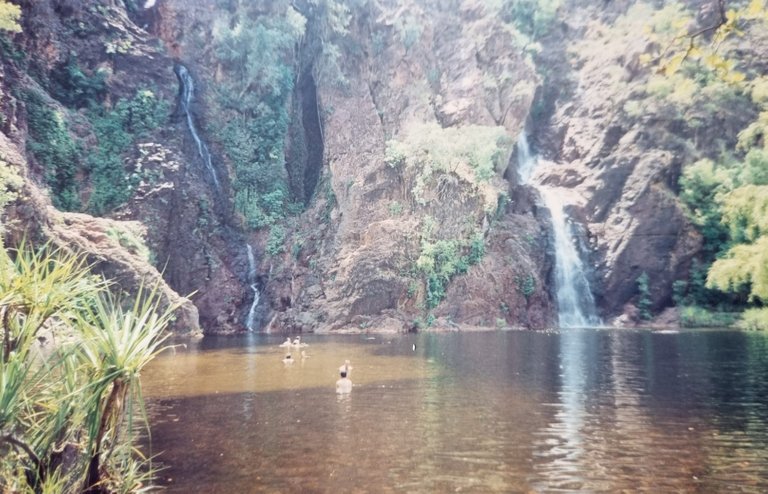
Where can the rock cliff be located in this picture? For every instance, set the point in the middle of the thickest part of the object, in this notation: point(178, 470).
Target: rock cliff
point(393, 126)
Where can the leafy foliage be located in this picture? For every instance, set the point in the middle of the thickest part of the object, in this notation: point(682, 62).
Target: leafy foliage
point(10, 15)
point(10, 183)
point(755, 319)
point(276, 240)
point(53, 147)
point(440, 260)
point(131, 241)
point(533, 18)
point(700, 79)
point(694, 316)
point(431, 149)
point(116, 131)
point(700, 185)
point(75, 398)
point(409, 30)
point(679, 45)
point(697, 74)
point(257, 55)
point(743, 265)
point(644, 297)
point(74, 88)
point(526, 285)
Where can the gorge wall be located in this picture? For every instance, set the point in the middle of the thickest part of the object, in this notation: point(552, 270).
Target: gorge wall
point(391, 201)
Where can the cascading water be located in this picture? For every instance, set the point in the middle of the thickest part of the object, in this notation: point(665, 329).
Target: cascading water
point(249, 320)
point(187, 95)
point(576, 305)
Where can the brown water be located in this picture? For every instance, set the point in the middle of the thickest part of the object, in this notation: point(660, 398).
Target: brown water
point(587, 411)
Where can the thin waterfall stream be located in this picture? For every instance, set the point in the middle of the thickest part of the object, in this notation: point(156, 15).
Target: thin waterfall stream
point(576, 305)
point(249, 320)
point(187, 96)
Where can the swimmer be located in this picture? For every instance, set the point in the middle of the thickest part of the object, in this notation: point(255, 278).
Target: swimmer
point(298, 344)
point(343, 385)
point(288, 359)
point(286, 343)
point(346, 368)
point(304, 355)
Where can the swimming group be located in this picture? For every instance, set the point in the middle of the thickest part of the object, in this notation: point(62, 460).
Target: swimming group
point(343, 385)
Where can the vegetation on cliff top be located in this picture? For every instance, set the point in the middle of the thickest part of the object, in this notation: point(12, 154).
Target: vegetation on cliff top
point(433, 151)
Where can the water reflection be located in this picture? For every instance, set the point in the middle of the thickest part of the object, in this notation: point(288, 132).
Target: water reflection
point(595, 411)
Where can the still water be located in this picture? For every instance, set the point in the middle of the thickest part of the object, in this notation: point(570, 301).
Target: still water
point(574, 410)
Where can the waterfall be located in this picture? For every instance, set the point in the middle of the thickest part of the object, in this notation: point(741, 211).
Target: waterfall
point(252, 281)
point(252, 311)
point(187, 96)
point(576, 305)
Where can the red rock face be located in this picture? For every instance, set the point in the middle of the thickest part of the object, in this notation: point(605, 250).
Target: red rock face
point(357, 269)
point(358, 243)
point(622, 170)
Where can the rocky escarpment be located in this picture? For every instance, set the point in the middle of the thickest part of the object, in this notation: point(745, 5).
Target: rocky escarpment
point(391, 125)
point(620, 152)
point(111, 248)
point(377, 217)
point(362, 254)
point(71, 56)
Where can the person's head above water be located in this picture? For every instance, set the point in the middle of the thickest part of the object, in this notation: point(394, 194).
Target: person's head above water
point(343, 374)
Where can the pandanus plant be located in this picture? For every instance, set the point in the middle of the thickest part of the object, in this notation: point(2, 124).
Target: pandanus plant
point(61, 411)
point(118, 343)
point(38, 289)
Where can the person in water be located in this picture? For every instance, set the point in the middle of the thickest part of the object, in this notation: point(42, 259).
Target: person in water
point(346, 368)
point(288, 359)
point(343, 385)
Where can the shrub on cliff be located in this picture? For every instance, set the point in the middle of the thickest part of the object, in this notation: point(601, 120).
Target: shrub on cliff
point(10, 183)
point(117, 130)
point(433, 150)
point(54, 149)
point(533, 18)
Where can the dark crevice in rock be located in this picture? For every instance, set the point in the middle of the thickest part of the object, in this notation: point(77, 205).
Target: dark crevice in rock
point(379, 111)
point(304, 145)
point(313, 134)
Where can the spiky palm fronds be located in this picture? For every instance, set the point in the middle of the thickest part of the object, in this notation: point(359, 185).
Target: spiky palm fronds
point(117, 344)
point(61, 410)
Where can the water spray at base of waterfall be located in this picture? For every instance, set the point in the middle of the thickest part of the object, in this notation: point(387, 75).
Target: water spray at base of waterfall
point(576, 305)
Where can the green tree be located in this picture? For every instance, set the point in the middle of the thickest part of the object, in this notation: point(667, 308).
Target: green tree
point(258, 54)
point(10, 15)
point(700, 185)
point(745, 264)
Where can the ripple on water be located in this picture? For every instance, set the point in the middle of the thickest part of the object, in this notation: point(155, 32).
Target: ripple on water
point(591, 411)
